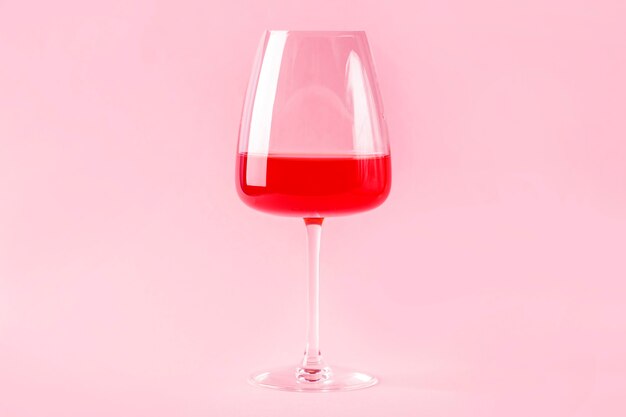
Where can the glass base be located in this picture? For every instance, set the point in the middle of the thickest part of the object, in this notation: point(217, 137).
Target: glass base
point(295, 379)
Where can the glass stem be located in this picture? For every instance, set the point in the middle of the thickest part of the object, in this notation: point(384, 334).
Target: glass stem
point(313, 368)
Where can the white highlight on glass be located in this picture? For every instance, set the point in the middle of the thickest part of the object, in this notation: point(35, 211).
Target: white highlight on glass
point(362, 128)
point(263, 107)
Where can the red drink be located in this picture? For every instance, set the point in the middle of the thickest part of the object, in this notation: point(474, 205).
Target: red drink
point(313, 186)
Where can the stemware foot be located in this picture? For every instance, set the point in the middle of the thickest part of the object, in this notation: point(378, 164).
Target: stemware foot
point(328, 379)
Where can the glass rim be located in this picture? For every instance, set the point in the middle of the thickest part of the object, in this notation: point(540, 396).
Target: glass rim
point(317, 32)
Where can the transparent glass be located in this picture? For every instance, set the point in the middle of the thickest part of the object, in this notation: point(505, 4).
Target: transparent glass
point(313, 144)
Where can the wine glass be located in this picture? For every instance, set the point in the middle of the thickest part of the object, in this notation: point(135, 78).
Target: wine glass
point(313, 144)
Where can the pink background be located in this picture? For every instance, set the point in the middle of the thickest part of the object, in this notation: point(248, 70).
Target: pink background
point(134, 283)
